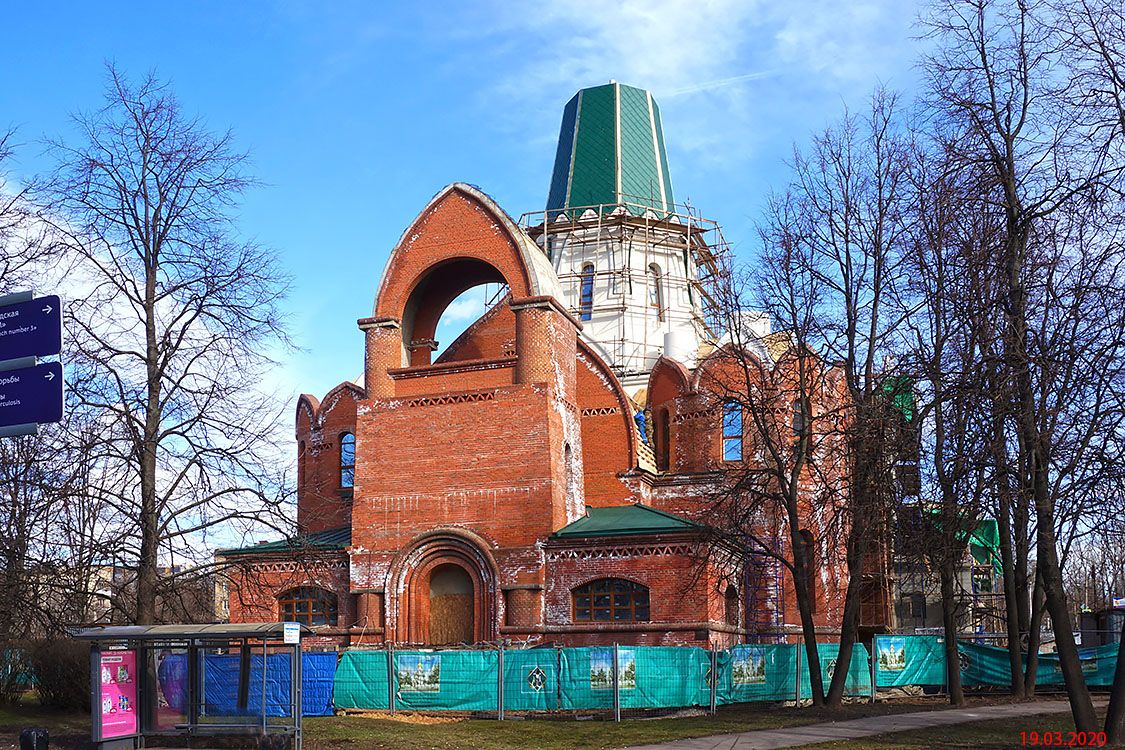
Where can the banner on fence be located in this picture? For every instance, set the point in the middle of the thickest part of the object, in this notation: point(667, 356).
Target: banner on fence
point(902, 660)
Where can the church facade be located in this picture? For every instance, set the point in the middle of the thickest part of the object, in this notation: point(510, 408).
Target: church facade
point(546, 478)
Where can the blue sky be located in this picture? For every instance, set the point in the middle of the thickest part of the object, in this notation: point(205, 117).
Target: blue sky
point(357, 113)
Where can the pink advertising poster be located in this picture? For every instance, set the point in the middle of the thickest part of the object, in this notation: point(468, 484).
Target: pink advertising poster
point(118, 710)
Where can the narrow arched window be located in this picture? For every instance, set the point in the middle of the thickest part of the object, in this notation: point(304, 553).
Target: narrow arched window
point(730, 606)
point(308, 605)
point(347, 461)
point(302, 470)
point(808, 550)
point(586, 297)
point(732, 431)
point(656, 291)
point(663, 440)
point(799, 421)
point(610, 600)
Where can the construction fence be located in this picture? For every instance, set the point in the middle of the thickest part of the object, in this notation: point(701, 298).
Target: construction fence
point(623, 678)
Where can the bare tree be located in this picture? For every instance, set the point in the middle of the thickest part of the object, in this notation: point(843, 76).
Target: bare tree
point(949, 295)
point(996, 73)
point(850, 190)
point(173, 331)
point(782, 502)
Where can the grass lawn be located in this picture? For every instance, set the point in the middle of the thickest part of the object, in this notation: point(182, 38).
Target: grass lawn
point(71, 731)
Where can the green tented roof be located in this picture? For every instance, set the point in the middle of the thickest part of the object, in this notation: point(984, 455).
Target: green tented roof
point(901, 391)
point(321, 540)
point(624, 520)
point(611, 151)
point(984, 542)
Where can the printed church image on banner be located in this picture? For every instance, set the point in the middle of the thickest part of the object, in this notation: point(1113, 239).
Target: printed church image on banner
point(544, 477)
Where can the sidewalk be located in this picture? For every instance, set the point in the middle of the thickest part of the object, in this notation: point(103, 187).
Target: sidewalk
point(768, 739)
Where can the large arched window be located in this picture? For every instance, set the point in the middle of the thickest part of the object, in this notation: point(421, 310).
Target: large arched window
point(732, 431)
point(347, 461)
point(656, 291)
point(308, 605)
point(586, 297)
point(610, 600)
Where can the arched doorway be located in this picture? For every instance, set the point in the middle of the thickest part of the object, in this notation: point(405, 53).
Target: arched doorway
point(451, 605)
point(447, 591)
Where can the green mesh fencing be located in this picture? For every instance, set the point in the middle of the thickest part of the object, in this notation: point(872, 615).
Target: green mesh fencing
point(586, 675)
point(858, 681)
point(361, 681)
point(757, 673)
point(902, 660)
point(446, 680)
point(1099, 664)
point(544, 679)
point(983, 665)
point(664, 676)
point(531, 679)
point(649, 677)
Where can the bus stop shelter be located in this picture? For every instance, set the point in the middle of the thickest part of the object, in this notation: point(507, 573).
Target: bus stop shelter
point(195, 681)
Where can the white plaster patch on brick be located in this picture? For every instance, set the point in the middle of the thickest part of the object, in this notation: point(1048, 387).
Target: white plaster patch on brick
point(597, 371)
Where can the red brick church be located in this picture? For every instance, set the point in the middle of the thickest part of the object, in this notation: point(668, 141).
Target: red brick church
point(543, 478)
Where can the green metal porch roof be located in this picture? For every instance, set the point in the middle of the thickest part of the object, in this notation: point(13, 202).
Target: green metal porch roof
point(624, 520)
point(321, 540)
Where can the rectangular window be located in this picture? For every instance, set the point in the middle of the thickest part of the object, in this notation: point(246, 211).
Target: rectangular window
point(732, 431)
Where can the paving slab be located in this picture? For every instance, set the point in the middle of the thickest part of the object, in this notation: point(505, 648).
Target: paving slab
point(851, 729)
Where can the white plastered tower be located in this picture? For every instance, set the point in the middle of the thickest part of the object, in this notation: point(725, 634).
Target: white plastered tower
point(633, 265)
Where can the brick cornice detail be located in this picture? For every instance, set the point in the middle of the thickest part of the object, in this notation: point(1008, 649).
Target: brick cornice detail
point(617, 551)
point(368, 323)
point(542, 303)
point(464, 365)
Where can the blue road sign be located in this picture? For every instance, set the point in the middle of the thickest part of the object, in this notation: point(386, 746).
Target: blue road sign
point(31, 329)
point(32, 395)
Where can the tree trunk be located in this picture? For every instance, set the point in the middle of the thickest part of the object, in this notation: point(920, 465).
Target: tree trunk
point(949, 622)
point(1085, 719)
point(849, 623)
point(149, 513)
point(808, 627)
point(1033, 637)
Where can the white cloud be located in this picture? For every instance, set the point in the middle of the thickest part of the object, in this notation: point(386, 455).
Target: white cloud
point(726, 72)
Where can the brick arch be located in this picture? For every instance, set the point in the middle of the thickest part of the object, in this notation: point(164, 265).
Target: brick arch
point(409, 583)
point(668, 380)
point(314, 409)
point(462, 222)
point(721, 365)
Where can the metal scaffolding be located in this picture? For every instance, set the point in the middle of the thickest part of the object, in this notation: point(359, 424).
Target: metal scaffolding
point(624, 242)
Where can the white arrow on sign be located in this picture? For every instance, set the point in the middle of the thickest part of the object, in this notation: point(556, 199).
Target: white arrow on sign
point(48, 309)
point(50, 376)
